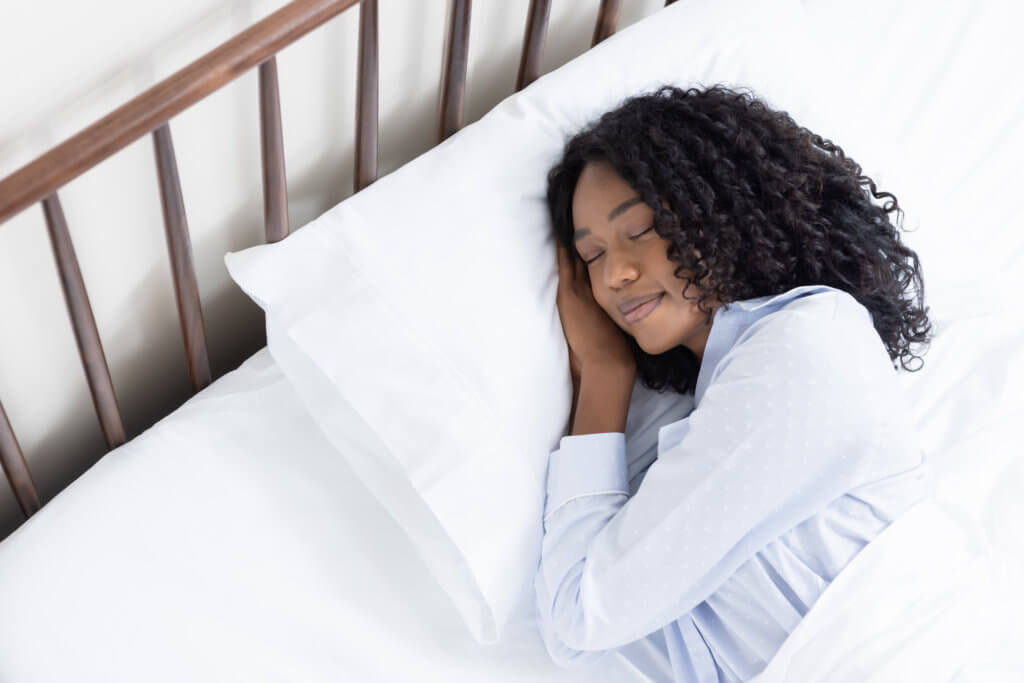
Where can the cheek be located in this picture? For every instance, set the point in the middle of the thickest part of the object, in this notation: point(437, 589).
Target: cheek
point(604, 301)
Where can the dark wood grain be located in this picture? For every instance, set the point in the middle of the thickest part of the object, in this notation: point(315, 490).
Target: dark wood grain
point(607, 20)
point(83, 323)
point(179, 247)
point(367, 81)
point(157, 105)
point(275, 182)
point(453, 83)
point(533, 42)
point(16, 469)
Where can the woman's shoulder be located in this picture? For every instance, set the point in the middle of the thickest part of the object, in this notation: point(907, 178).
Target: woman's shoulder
point(814, 320)
point(822, 344)
point(817, 303)
point(813, 296)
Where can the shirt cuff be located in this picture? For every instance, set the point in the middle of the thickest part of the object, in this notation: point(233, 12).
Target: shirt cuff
point(586, 464)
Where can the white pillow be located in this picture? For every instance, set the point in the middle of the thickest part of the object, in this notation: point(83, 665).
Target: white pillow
point(426, 303)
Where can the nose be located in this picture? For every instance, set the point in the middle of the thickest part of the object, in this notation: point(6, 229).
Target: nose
point(620, 269)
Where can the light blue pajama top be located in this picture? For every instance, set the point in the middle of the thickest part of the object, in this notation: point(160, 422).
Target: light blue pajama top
point(710, 531)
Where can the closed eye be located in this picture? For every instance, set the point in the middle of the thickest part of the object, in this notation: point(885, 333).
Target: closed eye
point(642, 233)
point(633, 237)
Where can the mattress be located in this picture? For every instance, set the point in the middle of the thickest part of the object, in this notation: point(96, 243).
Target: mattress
point(230, 542)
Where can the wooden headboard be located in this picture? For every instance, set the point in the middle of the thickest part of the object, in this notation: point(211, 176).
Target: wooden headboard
point(149, 114)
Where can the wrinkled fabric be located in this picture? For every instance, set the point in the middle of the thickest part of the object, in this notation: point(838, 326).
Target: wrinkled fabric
point(719, 540)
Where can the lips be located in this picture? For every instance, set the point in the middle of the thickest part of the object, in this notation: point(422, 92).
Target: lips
point(634, 302)
point(640, 311)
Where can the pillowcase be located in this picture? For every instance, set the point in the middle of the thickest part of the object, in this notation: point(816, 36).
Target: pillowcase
point(425, 304)
point(445, 342)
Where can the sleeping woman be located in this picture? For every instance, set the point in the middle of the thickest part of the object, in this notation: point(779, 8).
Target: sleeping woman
point(717, 256)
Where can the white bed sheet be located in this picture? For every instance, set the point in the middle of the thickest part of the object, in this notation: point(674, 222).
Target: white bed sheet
point(229, 542)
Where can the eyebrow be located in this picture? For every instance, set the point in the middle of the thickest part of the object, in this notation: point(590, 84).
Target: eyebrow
point(612, 215)
point(621, 208)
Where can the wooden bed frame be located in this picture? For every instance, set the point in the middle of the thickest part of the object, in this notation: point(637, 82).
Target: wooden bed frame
point(40, 180)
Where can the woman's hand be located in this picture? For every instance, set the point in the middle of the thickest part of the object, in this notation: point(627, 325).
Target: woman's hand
point(594, 339)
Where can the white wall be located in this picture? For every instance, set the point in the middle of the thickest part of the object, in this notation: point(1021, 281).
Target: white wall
point(68, 63)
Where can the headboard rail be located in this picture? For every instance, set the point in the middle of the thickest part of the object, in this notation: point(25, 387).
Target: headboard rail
point(151, 111)
point(160, 103)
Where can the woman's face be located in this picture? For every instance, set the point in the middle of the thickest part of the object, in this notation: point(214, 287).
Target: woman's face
point(628, 264)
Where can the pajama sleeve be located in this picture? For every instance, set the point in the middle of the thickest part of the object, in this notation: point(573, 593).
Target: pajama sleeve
point(775, 438)
point(596, 488)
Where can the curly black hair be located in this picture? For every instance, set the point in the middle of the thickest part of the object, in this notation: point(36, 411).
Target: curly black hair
point(757, 203)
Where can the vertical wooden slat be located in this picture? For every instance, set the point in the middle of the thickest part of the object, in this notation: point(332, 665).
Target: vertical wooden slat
point(16, 469)
point(367, 81)
point(453, 85)
point(179, 246)
point(84, 324)
point(607, 19)
point(161, 102)
point(533, 42)
point(275, 183)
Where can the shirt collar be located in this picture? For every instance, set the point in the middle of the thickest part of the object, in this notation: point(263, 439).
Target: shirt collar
point(729, 322)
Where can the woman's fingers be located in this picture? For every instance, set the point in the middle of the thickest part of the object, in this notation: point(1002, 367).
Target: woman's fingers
point(564, 265)
point(572, 272)
point(570, 267)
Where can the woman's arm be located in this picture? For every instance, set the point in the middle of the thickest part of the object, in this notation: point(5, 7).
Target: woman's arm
point(601, 403)
point(596, 344)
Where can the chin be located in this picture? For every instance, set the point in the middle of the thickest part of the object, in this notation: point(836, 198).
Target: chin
point(653, 347)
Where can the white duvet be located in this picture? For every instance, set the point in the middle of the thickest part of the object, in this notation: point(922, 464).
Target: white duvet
point(919, 603)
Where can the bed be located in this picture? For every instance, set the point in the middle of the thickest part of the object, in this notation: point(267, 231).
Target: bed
point(285, 524)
